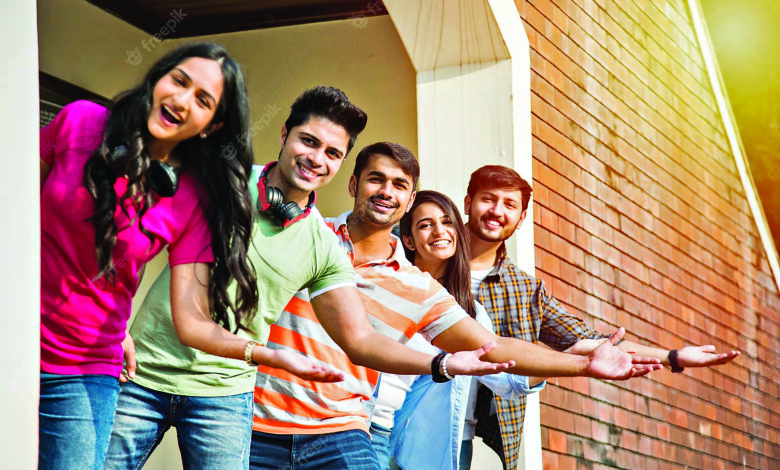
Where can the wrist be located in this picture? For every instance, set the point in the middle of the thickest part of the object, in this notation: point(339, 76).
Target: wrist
point(583, 365)
point(437, 375)
point(249, 354)
point(674, 361)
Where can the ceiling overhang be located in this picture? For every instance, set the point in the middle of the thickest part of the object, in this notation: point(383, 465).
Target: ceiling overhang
point(176, 19)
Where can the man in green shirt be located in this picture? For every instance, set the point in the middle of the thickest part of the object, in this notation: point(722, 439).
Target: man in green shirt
point(201, 382)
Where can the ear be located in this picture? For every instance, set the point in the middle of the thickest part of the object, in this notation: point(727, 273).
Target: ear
point(408, 242)
point(522, 218)
point(352, 185)
point(411, 201)
point(213, 127)
point(467, 205)
point(283, 135)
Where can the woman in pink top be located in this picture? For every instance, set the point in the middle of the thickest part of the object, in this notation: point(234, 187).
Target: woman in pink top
point(166, 165)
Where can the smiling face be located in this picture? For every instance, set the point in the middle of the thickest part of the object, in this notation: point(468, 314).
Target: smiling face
point(311, 155)
point(494, 214)
point(383, 193)
point(433, 237)
point(184, 102)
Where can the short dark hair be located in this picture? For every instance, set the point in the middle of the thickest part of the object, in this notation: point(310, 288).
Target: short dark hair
point(329, 103)
point(402, 155)
point(499, 177)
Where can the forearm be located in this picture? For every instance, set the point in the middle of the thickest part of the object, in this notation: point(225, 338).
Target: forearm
point(194, 326)
point(537, 361)
point(344, 318)
point(648, 351)
point(530, 359)
point(379, 352)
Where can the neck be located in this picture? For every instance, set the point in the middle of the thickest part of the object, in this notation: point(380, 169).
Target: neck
point(369, 241)
point(483, 253)
point(436, 268)
point(275, 178)
point(160, 150)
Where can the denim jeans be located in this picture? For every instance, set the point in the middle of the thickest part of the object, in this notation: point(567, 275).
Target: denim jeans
point(213, 432)
point(75, 415)
point(466, 452)
point(380, 441)
point(345, 450)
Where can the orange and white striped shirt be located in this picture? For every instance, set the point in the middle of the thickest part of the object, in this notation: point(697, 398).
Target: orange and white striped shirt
point(400, 301)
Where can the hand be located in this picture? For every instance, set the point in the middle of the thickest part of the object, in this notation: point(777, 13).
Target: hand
point(469, 362)
point(304, 367)
point(128, 350)
point(608, 362)
point(703, 356)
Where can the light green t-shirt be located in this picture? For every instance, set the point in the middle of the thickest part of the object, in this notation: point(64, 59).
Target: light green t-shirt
point(306, 254)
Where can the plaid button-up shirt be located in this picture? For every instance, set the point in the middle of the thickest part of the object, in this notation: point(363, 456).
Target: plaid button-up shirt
point(520, 307)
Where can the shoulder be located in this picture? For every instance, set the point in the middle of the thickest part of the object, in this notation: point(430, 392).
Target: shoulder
point(80, 120)
point(86, 113)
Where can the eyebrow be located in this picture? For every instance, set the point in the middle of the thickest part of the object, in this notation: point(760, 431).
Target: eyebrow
point(189, 79)
point(402, 179)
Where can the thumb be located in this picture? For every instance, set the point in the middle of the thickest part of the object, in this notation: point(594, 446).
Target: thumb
point(617, 335)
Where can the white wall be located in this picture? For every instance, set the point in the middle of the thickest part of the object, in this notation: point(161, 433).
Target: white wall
point(20, 237)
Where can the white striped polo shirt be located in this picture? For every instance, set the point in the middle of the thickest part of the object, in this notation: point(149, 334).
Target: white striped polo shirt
point(400, 301)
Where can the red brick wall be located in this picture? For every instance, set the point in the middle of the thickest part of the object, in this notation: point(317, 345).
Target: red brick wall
point(642, 222)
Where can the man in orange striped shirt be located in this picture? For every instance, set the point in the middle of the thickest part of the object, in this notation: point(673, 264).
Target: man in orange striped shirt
point(306, 425)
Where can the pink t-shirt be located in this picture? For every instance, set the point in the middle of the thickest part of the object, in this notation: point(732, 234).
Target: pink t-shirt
point(83, 320)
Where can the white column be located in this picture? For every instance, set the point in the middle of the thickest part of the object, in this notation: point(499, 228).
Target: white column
point(20, 237)
point(473, 108)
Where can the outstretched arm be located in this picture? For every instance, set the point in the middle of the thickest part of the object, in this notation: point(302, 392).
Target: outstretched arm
point(605, 361)
point(341, 313)
point(689, 356)
point(196, 329)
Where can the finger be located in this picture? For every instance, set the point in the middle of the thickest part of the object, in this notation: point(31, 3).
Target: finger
point(130, 364)
point(123, 378)
point(707, 348)
point(486, 348)
point(641, 370)
point(617, 335)
point(644, 360)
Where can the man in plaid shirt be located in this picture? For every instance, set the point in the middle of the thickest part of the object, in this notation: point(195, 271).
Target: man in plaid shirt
point(520, 307)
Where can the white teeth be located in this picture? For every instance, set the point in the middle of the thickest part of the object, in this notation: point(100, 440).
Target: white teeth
point(440, 243)
point(171, 114)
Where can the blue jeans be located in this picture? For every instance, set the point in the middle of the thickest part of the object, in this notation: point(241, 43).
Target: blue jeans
point(213, 432)
point(75, 415)
point(345, 450)
point(380, 440)
point(466, 452)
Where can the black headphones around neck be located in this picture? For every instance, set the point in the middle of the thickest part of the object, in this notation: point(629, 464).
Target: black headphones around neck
point(270, 201)
point(162, 178)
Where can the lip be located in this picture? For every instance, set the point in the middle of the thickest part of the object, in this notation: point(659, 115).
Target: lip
point(382, 205)
point(165, 120)
point(492, 224)
point(440, 243)
point(306, 172)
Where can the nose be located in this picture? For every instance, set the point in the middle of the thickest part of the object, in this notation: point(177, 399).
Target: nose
point(182, 99)
point(384, 190)
point(317, 157)
point(496, 209)
point(438, 228)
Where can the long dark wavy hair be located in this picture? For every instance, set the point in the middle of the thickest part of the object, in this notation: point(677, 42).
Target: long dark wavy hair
point(457, 279)
point(222, 163)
